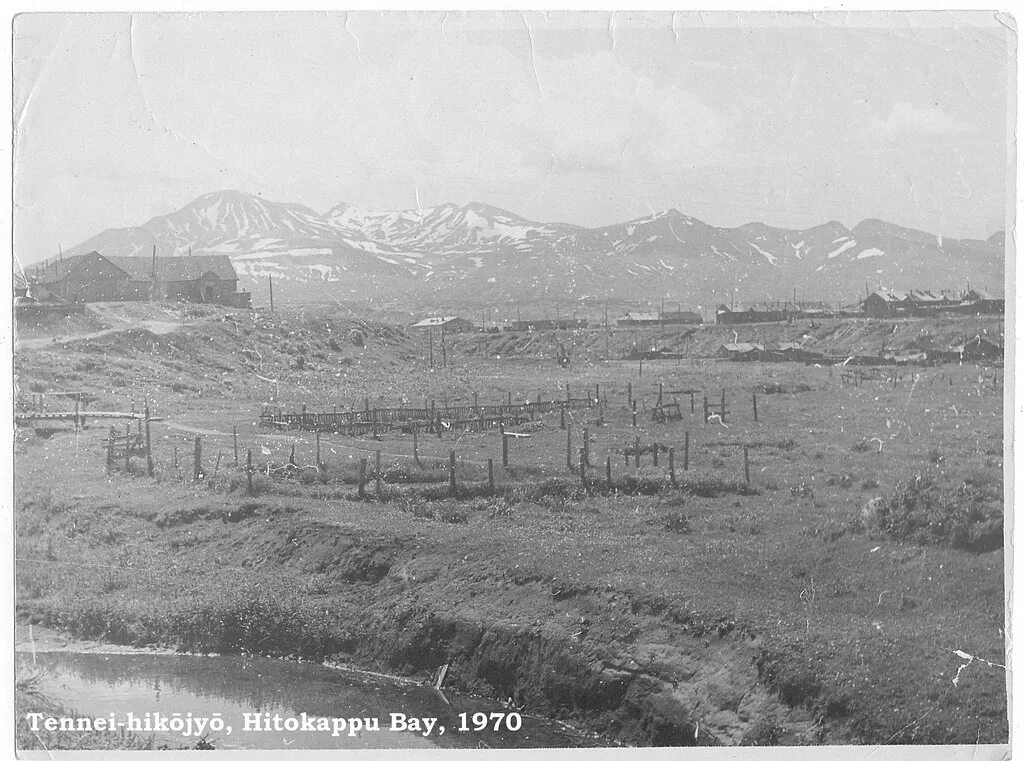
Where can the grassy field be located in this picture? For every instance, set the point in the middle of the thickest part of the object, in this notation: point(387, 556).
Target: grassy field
point(825, 601)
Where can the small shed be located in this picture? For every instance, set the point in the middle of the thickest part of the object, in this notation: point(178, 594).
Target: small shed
point(639, 319)
point(446, 324)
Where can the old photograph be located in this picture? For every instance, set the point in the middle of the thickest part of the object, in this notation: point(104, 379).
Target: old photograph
point(512, 380)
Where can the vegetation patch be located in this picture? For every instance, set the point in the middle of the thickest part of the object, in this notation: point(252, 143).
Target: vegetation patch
point(923, 511)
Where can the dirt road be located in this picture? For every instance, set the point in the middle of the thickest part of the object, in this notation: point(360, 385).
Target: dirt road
point(158, 327)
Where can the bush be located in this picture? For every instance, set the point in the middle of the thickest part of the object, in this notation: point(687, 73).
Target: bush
point(677, 523)
point(802, 490)
point(968, 517)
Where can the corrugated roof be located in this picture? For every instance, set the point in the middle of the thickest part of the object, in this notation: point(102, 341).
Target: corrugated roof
point(984, 294)
point(642, 317)
point(168, 268)
point(175, 267)
point(922, 295)
point(433, 322)
point(890, 296)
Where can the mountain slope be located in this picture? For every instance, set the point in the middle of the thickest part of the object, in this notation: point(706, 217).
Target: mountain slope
point(482, 254)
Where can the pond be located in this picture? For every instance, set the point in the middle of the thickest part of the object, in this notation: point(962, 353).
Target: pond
point(266, 703)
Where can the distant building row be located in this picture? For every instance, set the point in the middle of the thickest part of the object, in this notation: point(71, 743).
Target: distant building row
point(882, 303)
point(980, 348)
point(453, 324)
point(888, 303)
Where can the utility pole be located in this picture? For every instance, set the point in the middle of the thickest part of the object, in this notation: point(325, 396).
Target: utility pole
point(271, 279)
point(444, 350)
point(430, 335)
point(606, 314)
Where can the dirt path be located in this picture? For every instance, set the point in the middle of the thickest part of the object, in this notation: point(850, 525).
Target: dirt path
point(157, 327)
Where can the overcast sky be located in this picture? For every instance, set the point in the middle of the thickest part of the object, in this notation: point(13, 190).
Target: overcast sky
point(591, 119)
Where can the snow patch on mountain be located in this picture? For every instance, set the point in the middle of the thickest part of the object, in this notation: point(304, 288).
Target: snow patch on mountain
point(867, 253)
point(845, 247)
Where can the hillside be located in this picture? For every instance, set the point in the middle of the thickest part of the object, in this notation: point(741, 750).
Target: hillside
point(478, 254)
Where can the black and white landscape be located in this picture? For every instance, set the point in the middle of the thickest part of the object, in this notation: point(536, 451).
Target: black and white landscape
point(456, 253)
point(508, 381)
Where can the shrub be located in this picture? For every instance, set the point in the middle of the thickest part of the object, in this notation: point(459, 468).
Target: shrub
point(968, 517)
point(677, 523)
point(802, 490)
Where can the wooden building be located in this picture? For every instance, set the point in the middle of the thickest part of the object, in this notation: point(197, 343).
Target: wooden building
point(983, 301)
point(96, 277)
point(639, 320)
point(537, 325)
point(885, 303)
point(447, 324)
point(681, 318)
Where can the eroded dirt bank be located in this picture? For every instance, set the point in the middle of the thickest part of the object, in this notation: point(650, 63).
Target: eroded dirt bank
point(629, 669)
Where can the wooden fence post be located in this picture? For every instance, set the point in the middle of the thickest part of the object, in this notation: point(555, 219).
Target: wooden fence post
point(583, 467)
point(504, 447)
point(686, 451)
point(234, 435)
point(415, 443)
point(378, 485)
point(216, 465)
point(438, 425)
point(563, 419)
point(634, 416)
point(248, 472)
point(586, 446)
point(149, 447)
point(110, 449)
point(723, 405)
point(705, 409)
point(672, 465)
point(608, 471)
point(755, 406)
point(197, 461)
point(362, 478)
point(656, 447)
point(175, 458)
point(636, 451)
point(568, 449)
point(127, 448)
point(746, 462)
point(318, 461)
point(451, 473)
point(629, 393)
point(490, 475)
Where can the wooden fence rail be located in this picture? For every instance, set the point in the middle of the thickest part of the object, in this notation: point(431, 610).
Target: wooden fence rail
point(384, 419)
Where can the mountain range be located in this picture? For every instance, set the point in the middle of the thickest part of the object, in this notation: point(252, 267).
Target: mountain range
point(449, 254)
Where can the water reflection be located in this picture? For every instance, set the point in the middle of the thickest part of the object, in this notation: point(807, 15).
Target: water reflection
point(99, 684)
